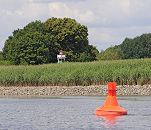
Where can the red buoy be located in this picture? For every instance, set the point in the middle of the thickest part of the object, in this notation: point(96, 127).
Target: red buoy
point(111, 106)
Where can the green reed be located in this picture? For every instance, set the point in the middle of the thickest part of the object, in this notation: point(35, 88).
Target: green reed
point(70, 74)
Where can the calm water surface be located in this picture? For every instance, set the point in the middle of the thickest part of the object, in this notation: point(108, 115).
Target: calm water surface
point(72, 113)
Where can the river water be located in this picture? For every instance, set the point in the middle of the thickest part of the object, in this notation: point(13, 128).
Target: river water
point(72, 113)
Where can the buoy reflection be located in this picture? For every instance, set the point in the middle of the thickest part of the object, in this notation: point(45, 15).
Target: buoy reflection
point(109, 120)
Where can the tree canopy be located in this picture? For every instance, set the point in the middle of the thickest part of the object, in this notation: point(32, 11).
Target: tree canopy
point(40, 42)
point(138, 47)
point(111, 53)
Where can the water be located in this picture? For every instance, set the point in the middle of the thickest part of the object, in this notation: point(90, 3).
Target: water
point(72, 113)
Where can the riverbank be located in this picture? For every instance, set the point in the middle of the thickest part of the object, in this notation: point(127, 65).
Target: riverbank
point(48, 91)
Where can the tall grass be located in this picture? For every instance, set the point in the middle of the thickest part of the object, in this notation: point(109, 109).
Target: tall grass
point(5, 62)
point(90, 73)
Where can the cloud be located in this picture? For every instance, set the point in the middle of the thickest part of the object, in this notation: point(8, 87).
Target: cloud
point(108, 21)
point(49, 1)
point(58, 9)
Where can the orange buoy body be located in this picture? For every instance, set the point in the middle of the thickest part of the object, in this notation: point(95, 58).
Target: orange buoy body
point(111, 106)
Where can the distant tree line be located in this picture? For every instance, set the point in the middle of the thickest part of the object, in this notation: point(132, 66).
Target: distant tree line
point(138, 47)
point(40, 42)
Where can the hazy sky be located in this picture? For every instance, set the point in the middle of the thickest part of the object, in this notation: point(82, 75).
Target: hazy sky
point(108, 21)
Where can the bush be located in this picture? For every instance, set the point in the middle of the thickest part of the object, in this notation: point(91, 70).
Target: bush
point(112, 53)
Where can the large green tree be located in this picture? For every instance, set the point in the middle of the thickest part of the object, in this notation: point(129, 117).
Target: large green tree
point(39, 43)
point(28, 45)
point(138, 47)
point(72, 37)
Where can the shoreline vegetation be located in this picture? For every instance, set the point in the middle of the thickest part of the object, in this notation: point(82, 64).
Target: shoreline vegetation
point(124, 72)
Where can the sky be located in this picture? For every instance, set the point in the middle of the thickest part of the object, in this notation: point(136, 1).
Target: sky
point(109, 22)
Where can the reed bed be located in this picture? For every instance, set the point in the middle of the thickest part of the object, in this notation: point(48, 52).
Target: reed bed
point(5, 62)
point(73, 74)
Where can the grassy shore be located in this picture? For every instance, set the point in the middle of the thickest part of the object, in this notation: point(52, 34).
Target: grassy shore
point(73, 74)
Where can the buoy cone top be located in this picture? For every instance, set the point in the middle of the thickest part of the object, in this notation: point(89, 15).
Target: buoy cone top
point(111, 106)
point(111, 86)
point(111, 89)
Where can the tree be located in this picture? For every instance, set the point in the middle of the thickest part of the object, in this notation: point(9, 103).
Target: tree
point(39, 43)
point(1, 55)
point(71, 36)
point(28, 45)
point(139, 47)
point(111, 53)
point(89, 55)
